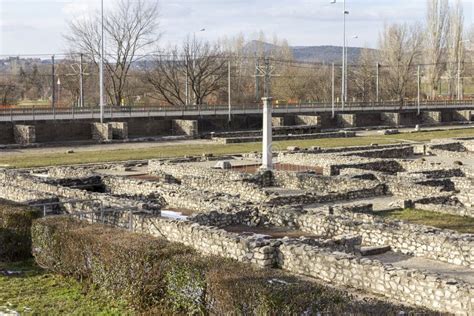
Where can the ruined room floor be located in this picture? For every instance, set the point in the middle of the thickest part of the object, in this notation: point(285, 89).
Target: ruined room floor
point(401, 260)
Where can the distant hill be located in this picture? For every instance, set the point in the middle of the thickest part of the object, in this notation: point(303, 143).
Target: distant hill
point(323, 54)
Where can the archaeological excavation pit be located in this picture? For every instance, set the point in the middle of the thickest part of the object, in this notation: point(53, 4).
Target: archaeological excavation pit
point(314, 215)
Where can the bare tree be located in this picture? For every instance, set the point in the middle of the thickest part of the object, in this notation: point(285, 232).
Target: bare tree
point(191, 74)
point(131, 28)
point(455, 46)
point(9, 91)
point(364, 76)
point(436, 41)
point(400, 47)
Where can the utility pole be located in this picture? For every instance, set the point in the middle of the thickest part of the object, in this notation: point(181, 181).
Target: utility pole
point(377, 83)
point(81, 82)
point(266, 72)
point(333, 90)
point(228, 90)
point(419, 90)
point(53, 85)
point(257, 79)
point(187, 80)
point(267, 83)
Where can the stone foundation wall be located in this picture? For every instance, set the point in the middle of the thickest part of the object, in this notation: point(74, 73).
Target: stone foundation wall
point(346, 120)
point(89, 201)
point(24, 134)
point(210, 240)
point(462, 115)
point(101, 132)
point(390, 118)
point(119, 130)
point(321, 184)
point(244, 190)
point(185, 127)
point(313, 120)
point(175, 196)
point(418, 240)
point(278, 121)
point(181, 170)
point(445, 209)
point(333, 164)
point(465, 187)
point(398, 152)
point(431, 117)
point(414, 287)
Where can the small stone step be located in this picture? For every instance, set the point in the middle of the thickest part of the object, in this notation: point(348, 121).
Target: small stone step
point(372, 251)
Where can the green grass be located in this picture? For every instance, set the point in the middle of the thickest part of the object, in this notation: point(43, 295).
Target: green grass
point(426, 136)
point(37, 292)
point(444, 221)
point(28, 160)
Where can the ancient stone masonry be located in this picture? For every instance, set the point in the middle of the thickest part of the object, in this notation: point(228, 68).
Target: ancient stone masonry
point(102, 131)
point(211, 241)
point(431, 117)
point(89, 199)
point(415, 287)
point(322, 184)
point(24, 134)
point(406, 238)
point(317, 215)
point(308, 120)
point(185, 127)
point(119, 130)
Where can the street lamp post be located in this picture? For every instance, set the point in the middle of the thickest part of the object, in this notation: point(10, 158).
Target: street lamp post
point(344, 69)
point(102, 64)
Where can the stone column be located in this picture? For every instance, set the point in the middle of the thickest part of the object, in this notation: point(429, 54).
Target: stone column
point(267, 158)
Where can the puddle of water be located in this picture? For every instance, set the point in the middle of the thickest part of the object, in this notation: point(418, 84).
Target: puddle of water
point(174, 215)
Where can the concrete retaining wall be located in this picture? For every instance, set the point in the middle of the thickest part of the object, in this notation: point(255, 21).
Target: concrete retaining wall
point(6, 133)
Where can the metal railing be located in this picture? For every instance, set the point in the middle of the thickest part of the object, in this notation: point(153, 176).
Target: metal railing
point(111, 112)
point(102, 215)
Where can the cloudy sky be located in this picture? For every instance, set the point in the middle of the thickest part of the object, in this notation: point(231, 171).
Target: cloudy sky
point(36, 26)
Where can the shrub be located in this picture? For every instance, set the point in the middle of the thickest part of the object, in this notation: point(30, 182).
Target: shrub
point(162, 278)
point(121, 263)
point(15, 225)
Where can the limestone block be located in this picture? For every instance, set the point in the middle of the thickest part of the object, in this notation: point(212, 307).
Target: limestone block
point(119, 130)
point(102, 131)
point(185, 127)
point(313, 120)
point(24, 134)
point(431, 117)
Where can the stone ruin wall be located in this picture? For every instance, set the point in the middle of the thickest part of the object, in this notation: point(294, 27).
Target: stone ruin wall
point(417, 240)
point(414, 287)
point(326, 263)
